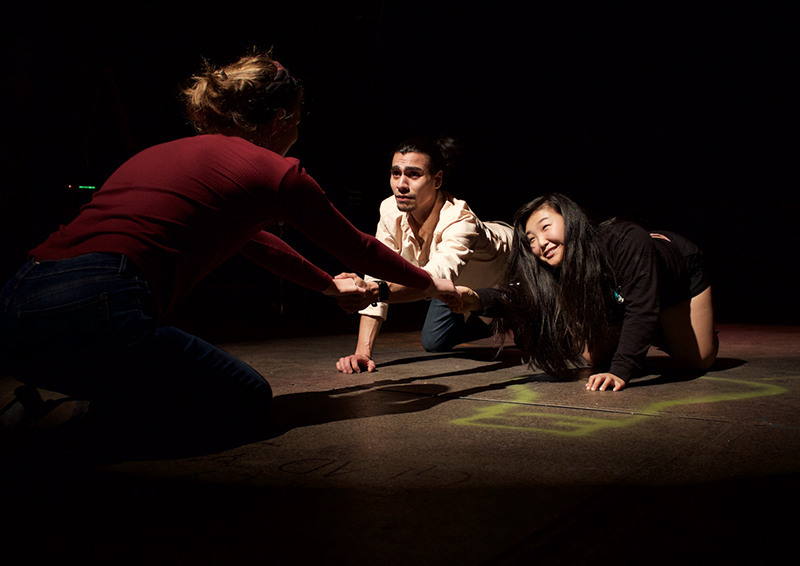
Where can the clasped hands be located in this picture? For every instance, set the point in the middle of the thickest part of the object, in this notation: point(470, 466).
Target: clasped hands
point(354, 293)
point(464, 301)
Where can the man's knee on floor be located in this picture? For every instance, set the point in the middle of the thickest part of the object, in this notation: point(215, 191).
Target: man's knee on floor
point(436, 344)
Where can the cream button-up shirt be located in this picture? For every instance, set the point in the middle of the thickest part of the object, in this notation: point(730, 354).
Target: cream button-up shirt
point(452, 244)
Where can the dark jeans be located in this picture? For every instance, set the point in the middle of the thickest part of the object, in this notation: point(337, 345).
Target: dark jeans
point(86, 327)
point(443, 330)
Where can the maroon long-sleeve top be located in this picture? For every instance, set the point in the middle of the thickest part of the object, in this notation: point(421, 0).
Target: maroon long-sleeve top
point(179, 209)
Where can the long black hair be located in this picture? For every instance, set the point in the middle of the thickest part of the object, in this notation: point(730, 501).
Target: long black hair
point(556, 312)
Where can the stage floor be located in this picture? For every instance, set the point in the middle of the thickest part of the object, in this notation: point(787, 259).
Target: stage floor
point(437, 459)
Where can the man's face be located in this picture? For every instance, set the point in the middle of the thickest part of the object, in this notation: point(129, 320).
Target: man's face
point(413, 185)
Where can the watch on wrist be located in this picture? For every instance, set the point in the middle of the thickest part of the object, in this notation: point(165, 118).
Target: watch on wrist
point(383, 292)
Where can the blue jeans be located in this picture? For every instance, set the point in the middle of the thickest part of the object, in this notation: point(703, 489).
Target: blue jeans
point(443, 329)
point(86, 327)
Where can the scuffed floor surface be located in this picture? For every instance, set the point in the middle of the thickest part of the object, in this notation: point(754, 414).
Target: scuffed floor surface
point(437, 459)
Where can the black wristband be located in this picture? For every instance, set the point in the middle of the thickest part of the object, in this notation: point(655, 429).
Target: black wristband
point(383, 292)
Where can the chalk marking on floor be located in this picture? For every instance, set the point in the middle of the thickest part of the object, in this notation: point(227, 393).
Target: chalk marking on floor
point(492, 416)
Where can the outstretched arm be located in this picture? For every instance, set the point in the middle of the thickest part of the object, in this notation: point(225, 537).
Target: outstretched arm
point(368, 330)
point(450, 251)
point(272, 253)
point(312, 213)
point(370, 326)
point(441, 289)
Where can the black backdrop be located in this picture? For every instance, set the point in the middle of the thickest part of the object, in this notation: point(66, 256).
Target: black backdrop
point(677, 116)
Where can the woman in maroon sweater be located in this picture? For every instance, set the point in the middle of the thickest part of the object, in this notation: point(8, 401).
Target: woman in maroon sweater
point(82, 316)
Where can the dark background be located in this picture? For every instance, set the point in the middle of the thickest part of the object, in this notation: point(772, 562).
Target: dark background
point(677, 116)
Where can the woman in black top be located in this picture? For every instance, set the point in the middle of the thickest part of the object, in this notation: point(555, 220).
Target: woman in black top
point(574, 292)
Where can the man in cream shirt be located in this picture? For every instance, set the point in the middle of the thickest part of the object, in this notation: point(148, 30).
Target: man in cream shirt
point(440, 234)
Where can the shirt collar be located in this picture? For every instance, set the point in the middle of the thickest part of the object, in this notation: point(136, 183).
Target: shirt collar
point(430, 223)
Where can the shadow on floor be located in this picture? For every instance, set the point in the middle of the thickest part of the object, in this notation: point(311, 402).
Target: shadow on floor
point(91, 438)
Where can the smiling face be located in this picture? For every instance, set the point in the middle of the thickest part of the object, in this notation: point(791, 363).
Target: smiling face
point(413, 184)
point(545, 232)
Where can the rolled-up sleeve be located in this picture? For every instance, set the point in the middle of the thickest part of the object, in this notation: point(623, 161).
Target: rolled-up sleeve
point(386, 233)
